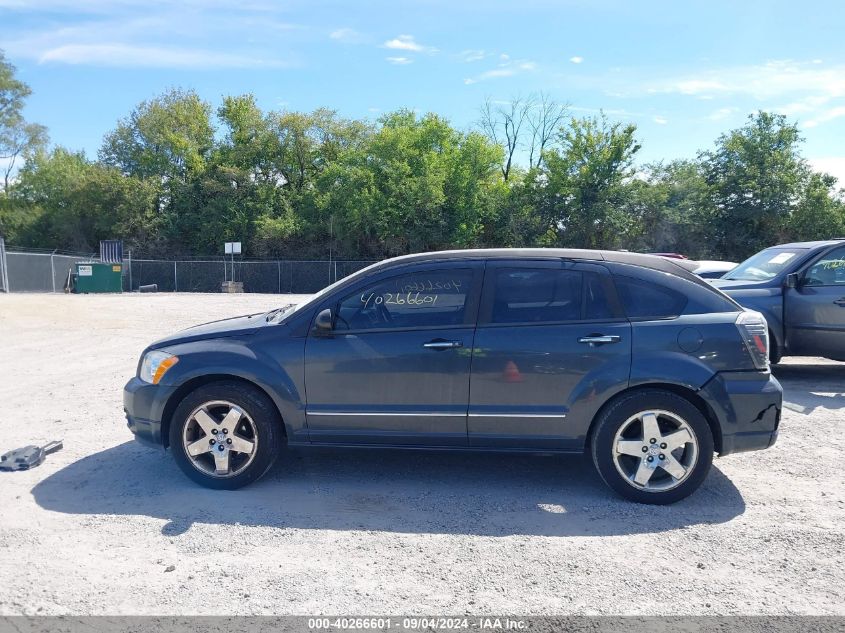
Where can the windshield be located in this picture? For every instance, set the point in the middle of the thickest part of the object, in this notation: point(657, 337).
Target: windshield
point(281, 314)
point(765, 265)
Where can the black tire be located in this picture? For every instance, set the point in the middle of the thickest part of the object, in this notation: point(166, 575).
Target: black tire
point(268, 431)
point(615, 415)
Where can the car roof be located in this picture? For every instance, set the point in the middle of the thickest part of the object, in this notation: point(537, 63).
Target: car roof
point(816, 244)
point(674, 266)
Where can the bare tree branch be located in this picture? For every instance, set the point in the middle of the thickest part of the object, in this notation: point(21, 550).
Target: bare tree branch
point(544, 119)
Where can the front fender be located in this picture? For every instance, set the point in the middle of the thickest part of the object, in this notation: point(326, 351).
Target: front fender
point(232, 358)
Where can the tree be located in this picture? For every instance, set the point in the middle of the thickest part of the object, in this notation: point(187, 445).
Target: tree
point(544, 118)
point(168, 137)
point(756, 175)
point(17, 137)
point(21, 140)
point(73, 203)
point(585, 183)
point(504, 124)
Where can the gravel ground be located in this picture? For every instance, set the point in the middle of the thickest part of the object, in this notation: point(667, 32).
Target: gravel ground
point(109, 527)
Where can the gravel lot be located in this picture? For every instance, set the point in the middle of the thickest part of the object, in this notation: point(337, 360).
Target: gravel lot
point(110, 527)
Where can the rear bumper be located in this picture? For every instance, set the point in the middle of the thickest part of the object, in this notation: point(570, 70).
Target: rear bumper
point(748, 407)
point(143, 405)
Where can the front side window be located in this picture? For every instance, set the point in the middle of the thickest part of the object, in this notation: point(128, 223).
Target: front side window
point(828, 271)
point(421, 299)
point(547, 295)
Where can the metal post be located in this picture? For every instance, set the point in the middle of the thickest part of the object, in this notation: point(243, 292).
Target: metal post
point(4, 271)
point(53, 270)
point(130, 270)
point(175, 283)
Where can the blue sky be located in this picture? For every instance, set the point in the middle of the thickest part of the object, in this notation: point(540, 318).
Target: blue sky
point(682, 71)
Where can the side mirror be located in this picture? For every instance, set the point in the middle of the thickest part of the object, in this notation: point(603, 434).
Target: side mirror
point(791, 280)
point(324, 323)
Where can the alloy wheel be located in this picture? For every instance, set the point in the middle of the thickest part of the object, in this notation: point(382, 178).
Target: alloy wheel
point(655, 450)
point(220, 439)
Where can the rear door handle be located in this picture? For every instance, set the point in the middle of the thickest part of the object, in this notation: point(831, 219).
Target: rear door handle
point(840, 302)
point(440, 344)
point(599, 339)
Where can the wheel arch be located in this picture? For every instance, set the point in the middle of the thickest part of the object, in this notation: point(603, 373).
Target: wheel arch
point(686, 393)
point(195, 383)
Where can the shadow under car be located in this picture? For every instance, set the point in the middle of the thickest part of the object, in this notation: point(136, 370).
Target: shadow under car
point(401, 491)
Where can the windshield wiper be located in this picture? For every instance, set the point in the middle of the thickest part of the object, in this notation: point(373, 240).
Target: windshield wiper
point(274, 313)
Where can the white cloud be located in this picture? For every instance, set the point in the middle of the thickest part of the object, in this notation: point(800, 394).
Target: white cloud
point(721, 113)
point(470, 56)
point(150, 57)
point(833, 165)
point(177, 35)
point(408, 43)
point(576, 60)
point(826, 115)
point(772, 79)
point(505, 69)
point(347, 36)
point(660, 120)
point(399, 61)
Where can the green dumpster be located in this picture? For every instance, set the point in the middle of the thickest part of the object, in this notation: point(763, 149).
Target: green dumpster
point(98, 277)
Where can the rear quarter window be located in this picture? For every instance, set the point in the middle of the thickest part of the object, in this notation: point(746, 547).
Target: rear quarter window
point(651, 294)
point(642, 300)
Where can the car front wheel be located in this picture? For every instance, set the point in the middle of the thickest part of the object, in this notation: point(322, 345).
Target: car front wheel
point(225, 435)
point(652, 446)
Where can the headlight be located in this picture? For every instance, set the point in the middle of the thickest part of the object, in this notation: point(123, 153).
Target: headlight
point(155, 365)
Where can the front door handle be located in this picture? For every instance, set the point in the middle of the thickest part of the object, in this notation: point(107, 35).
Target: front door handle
point(840, 302)
point(599, 339)
point(439, 344)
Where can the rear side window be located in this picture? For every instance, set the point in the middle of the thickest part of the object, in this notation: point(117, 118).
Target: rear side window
point(547, 295)
point(642, 300)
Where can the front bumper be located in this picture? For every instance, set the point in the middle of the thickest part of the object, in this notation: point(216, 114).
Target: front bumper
point(748, 406)
point(143, 405)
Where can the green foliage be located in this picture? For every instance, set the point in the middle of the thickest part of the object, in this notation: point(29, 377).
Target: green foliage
point(62, 199)
point(169, 137)
point(297, 184)
point(587, 181)
point(756, 175)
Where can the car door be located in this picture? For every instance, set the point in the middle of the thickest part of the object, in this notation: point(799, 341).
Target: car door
point(551, 341)
point(394, 369)
point(815, 308)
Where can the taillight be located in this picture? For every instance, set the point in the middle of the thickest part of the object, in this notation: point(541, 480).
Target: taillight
point(755, 334)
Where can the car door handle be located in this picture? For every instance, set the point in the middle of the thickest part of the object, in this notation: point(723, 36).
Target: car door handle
point(599, 339)
point(439, 344)
point(840, 302)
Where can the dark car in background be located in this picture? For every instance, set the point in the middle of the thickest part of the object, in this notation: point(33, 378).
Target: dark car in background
point(800, 289)
point(628, 357)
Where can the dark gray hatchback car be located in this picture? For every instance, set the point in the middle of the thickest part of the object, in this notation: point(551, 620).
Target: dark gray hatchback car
point(628, 357)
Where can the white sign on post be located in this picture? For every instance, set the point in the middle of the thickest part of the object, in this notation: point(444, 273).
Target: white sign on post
point(233, 248)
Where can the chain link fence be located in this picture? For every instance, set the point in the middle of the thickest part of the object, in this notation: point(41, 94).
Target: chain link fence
point(33, 270)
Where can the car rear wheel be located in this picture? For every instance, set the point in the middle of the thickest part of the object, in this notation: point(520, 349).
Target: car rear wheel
point(225, 435)
point(652, 446)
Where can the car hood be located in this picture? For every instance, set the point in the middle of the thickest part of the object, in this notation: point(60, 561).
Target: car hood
point(726, 285)
point(234, 326)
